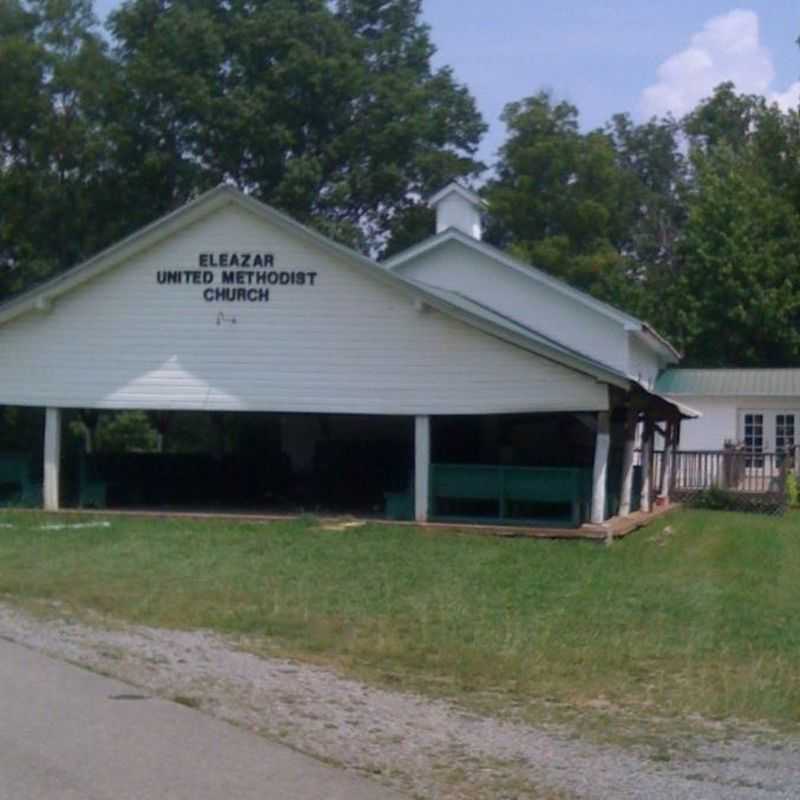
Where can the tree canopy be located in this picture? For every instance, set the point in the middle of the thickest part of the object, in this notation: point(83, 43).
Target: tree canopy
point(333, 111)
point(691, 223)
point(330, 111)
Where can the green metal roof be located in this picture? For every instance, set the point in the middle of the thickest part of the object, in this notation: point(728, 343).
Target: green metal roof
point(730, 382)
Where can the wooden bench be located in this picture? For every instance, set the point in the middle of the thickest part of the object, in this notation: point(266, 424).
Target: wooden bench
point(15, 477)
point(569, 487)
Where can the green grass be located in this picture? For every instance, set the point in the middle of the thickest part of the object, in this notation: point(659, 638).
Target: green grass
point(705, 619)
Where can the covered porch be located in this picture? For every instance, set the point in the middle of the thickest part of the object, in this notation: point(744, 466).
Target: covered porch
point(546, 469)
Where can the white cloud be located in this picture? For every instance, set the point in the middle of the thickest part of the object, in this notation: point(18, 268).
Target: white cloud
point(788, 99)
point(727, 49)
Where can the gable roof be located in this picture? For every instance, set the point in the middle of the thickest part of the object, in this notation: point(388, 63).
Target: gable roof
point(629, 322)
point(730, 382)
point(562, 353)
point(448, 303)
point(462, 191)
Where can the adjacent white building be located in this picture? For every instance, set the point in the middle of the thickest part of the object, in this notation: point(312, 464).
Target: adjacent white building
point(758, 409)
point(228, 306)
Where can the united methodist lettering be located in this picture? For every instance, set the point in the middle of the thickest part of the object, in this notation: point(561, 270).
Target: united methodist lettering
point(251, 270)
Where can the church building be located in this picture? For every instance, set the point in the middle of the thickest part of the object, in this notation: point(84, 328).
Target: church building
point(452, 382)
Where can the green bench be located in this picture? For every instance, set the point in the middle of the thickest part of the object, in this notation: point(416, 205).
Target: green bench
point(93, 489)
point(17, 488)
point(507, 487)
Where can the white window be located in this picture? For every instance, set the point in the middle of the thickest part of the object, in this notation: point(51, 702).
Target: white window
point(767, 431)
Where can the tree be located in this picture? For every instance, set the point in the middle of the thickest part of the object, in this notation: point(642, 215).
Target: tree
point(737, 299)
point(650, 155)
point(330, 111)
point(327, 109)
point(560, 199)
point(53, 69)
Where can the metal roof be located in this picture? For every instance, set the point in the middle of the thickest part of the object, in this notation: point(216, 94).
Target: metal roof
point(730, 382)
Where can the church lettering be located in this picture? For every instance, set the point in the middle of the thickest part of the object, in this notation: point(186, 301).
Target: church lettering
point(236, 276)
point(236, 259)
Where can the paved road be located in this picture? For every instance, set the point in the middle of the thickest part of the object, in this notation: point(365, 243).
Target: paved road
point(64, 737)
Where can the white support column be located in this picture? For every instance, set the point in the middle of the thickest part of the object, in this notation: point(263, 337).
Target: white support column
point(422, 466)
point(601, 450)
point(647, 465)
point(666, 471)
point(52, 458)
point(627, 463)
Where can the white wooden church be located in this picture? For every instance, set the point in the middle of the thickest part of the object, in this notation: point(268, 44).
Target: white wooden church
point(452, 382)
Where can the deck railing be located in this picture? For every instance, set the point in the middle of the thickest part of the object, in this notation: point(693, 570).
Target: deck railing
point(746, 479)
point(733, 470)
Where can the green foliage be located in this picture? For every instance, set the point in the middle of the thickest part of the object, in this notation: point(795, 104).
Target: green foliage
point(703, 244)
point(329, 110)
point(737, 298)
point(559, 197)
point(126, 432)
point(715, 499)
point(332, 111)
point(792, 490)
point(54, 70)
point(21, 429)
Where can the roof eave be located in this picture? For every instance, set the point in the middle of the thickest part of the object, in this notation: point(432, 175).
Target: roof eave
point(136, 242)
point(456, 188)
point(453, 234)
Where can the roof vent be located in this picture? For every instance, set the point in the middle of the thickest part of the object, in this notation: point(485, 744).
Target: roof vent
point(459, 208)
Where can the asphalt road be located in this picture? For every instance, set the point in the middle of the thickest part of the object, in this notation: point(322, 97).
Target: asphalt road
point(68, 734)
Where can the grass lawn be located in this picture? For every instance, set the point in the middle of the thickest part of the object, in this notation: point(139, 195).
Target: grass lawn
point(703, 618)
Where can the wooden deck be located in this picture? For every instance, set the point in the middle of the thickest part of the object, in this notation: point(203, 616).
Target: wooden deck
point(616, 528)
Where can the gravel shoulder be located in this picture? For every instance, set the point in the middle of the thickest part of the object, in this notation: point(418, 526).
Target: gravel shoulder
point(425, 748)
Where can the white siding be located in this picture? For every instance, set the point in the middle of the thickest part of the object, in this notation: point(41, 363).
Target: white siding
point(456, 267)
point(457, 212)
point(349, 344)
point(643, 364)
point(720, 420)
point(710, 431)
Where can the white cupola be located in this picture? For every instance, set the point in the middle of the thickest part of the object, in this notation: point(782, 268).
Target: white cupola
point(459, 208)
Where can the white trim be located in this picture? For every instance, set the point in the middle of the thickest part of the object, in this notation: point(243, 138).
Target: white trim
point(456, 188)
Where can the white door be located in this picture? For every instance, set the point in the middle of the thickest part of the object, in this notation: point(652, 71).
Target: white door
point(753, 437)
point(768, 431)
point(785, 427)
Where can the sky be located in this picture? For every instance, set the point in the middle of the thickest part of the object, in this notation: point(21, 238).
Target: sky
point(608, 56)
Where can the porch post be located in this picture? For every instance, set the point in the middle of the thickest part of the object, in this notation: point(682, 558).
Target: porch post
point(627, 463)
point(647, 464)
point(601, 449)
point(422, 466)
point(666, 469)
point(52, 458)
